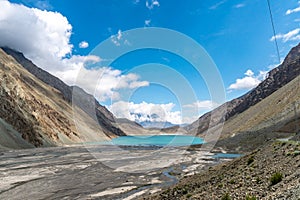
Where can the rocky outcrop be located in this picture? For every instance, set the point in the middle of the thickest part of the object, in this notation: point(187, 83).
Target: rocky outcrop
point(276, 79)
point(83, 100)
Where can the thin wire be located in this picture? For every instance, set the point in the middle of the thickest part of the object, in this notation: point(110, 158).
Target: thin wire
point(274, 31)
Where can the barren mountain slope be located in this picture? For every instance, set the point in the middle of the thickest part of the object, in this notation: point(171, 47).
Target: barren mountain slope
point(276, 79)
point(276, 116)
point(72, 94)
point(38, 111)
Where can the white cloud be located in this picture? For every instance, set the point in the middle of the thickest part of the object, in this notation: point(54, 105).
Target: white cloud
point(290, 36)
point(249, 81)
point(290, 11)
point(249, 73)
point(241, 5)
point(45, 39)
point(104, 83)
point(151, 4)
point(83, 44)
point(146, 112)
point(215, 6)
point(147, 22)
point(44, 33)
point(117, 38)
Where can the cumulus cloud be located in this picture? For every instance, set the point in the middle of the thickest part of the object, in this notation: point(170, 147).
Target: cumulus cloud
point(44, 37)
point(152, 4)
point(83, 44)
point(290, 36)
point(43, 32)
point(249, 81)
point(144, 111)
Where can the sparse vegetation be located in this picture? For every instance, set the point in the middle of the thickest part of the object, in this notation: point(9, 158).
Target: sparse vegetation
point(276, 178)
point(296, 153)
point(250, 197)
point(226, 197)
point(250, 160)
point(258, 181)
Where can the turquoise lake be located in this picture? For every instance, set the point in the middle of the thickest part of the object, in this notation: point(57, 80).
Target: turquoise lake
point(157, 140)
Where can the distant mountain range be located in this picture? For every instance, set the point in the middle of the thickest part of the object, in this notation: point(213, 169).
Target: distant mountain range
point(149, 124)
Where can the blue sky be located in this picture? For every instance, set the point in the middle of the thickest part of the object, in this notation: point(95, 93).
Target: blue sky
point(237, 34)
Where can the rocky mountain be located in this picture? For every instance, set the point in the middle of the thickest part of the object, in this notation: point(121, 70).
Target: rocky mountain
point(39, 107)
point(233, 111)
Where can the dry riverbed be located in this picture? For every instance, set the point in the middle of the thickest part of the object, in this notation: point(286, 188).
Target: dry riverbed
point(95, 172)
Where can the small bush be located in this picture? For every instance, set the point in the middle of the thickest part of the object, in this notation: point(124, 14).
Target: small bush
point(250, 160)
point(226, 197)
point(250, 197)
point(296, 153)
point(276, 178)
point(188, 195)
point(184, 191)
point(258, 181)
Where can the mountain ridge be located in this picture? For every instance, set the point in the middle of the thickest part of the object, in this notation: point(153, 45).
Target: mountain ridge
point(276, 78)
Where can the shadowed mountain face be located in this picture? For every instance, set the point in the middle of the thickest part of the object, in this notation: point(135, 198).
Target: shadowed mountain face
point(39, 106)
point(276, 79)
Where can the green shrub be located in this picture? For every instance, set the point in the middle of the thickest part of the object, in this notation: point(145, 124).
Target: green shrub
point(188, 195)
point(296, 153)
point(250, 197)
point(184, 191)
point(226, 197)
point(258, 181)
point(276, 178)
point(250, 160)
